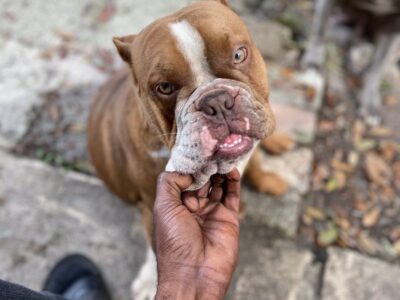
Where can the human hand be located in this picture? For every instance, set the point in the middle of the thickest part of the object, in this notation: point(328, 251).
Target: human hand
point(196, 236)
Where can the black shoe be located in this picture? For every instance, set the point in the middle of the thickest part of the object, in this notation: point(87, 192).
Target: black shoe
point(75, 277)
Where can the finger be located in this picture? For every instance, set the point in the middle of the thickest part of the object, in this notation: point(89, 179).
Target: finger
point(217, 190)
point(203, 191)
point(191, 203)
point(170, 187)
point(207, 209)
point(232, 197)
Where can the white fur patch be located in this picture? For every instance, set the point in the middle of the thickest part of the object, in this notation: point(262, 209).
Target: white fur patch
point(191, 44)
point(144, 286)
point(163, 152)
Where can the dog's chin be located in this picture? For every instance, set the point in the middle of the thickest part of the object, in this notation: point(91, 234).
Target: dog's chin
point(221, 158)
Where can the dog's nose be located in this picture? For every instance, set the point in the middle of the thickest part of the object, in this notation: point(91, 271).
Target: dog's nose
point(216, 104)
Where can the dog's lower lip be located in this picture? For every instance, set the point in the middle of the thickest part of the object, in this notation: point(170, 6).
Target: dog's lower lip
point(234, 146)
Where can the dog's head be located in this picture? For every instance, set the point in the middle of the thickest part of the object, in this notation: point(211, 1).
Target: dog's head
point(202, 83)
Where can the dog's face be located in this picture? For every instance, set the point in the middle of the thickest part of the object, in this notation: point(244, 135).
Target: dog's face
point(202, 82)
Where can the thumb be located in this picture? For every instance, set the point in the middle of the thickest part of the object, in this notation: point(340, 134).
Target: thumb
point(170, 186)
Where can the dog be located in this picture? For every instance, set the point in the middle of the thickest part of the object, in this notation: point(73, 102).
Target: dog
point(380, 20)
point(193, 99)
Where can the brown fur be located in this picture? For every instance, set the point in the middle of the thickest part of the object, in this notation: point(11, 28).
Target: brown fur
point(127, 122)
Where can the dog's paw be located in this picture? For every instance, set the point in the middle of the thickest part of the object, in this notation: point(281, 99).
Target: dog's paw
point(278, 143)
point(144, 286)
point(271, 183)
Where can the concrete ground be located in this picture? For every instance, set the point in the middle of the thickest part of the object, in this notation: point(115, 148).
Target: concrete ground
point(53, 57)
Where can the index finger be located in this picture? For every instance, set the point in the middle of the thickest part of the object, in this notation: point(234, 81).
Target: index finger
point(232, 194)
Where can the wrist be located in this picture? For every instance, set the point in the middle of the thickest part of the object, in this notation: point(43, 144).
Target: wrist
point(187, 282)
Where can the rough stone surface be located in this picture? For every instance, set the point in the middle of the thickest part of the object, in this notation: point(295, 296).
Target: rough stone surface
point(272, 39)
point(298, 122)
point(281, 270)
point(349, 275)
point(281, 214)
point(58, 46)
point(295, 166)
point(48, 213)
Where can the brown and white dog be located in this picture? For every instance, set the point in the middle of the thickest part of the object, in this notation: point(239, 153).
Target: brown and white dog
point(193, 100)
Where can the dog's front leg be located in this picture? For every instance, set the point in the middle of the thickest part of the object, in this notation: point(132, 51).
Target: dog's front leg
point(315, 53)
point(387, 45)
point(144, 286)
point(263, 181)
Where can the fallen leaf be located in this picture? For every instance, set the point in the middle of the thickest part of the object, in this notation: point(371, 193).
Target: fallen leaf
point(307, 220)
point(387, 195)
point(365, 145)
point(360, 204)
point(328, 236)
point(343, 223)
point(371, 218)
point(315, 213)
point(310, 93)
point(326, 125)
point(353, 159)
point(358, 131)
point(395, 234)
point(396, 247)
point(366, 244)
point(391, 100)
point(341, 166)
point(287, 73)
point(331, 185)
point(388, 149)
point(396, 172)
point(381, 132)
point(341, 179)
point(378, 171)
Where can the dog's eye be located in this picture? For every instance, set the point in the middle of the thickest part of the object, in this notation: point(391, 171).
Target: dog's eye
point(240, 55)
point(166, 88)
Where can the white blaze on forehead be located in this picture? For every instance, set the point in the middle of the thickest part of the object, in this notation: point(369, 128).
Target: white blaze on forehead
point(191, 44)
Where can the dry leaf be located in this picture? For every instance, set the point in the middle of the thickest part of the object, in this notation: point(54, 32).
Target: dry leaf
point(388, 149)
point(358, 131)
point(365, 145)
point(341, 179)
point(326, 125)
point(395, 234)
point(396, 171)
point(353, 159)
point(328, 236)
point(371, 218)
point(396, 247)
point(381, 132)
point(315, 213)
point(378, 171)
point(366, 244)
point(387, 195)
point(391, 100)
point(342, 166)
point(360, 204)
point(343, 223)
point(307, 220)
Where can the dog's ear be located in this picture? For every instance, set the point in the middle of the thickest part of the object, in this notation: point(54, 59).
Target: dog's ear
point(123, 45)
point(224, 2)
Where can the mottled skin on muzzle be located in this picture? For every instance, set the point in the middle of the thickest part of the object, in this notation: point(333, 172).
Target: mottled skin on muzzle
point(199, 135)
